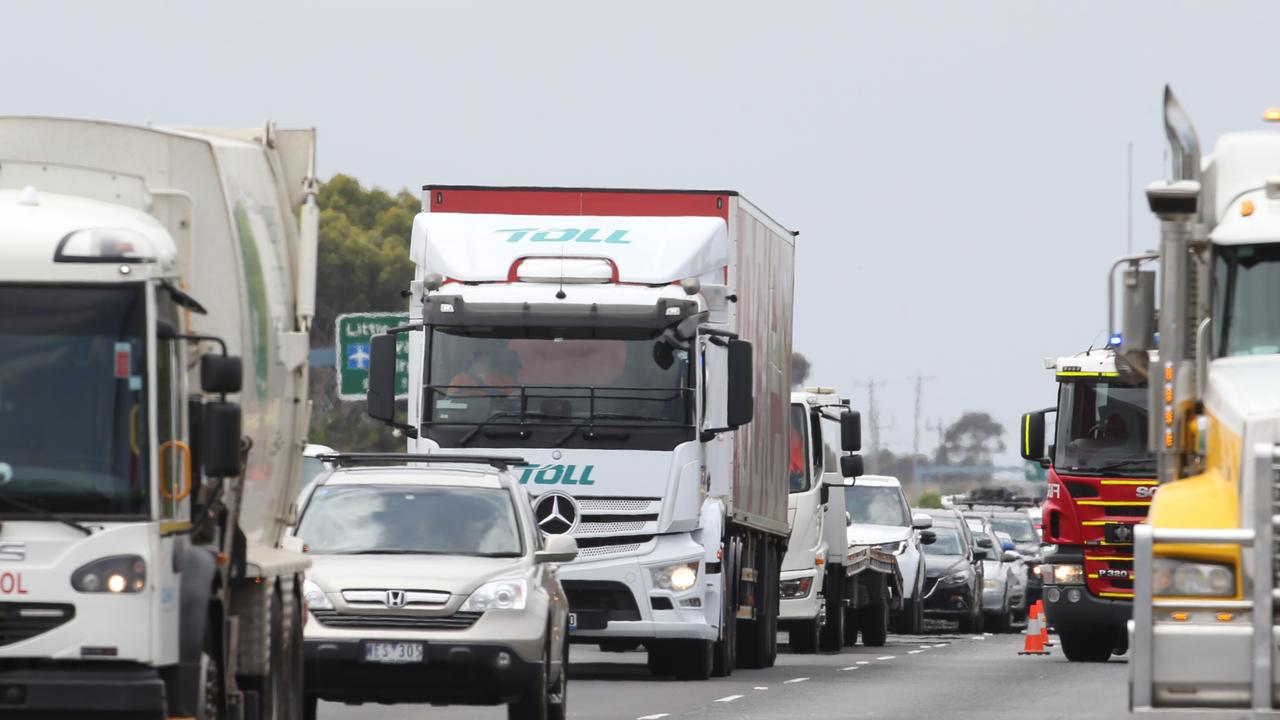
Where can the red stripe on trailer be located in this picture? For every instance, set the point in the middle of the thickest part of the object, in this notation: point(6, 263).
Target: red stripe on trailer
point(558, 201)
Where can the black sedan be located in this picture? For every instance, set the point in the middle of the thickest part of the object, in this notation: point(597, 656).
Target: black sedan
point(953, 590)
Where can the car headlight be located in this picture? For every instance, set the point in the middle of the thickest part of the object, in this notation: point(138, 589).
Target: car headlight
point(1180, 577)
point(679, 577)
point(795, 589)
point(313, 597)
point(1063, 574)
point(954, 578)
point(498, 595)
point(895, 548)
point(117, 574)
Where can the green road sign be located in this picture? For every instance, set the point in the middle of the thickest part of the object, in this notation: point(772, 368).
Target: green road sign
point(355, 330)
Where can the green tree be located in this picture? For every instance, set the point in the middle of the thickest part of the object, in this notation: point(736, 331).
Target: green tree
point(974, 439)
point(929, 499)
point(363, 265)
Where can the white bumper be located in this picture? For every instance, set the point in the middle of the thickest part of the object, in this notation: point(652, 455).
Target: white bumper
point(807, 607)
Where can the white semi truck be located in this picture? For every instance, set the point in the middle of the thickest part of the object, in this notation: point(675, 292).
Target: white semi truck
point(635, 348)
point(141, 505)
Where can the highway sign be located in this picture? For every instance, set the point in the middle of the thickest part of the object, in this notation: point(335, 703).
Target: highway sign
point(353, 335)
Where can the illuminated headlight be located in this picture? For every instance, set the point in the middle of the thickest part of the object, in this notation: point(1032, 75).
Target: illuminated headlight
point(679, 577)
point(313, 597)
point(895, 548)
point(498, 595)
point(1179, 577)
point(118, 574)
point(795, 589)
point(1035, 570)
point(1062, 574)
point(954, 579)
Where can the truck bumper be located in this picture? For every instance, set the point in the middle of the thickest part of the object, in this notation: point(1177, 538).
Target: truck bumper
point(461, 673)
point(1198, 665)
point(1073, 607)
point(83, 690)
point(617, 598)
point(801, 608)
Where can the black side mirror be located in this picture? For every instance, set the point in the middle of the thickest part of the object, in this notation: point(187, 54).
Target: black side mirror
point(220, 447)
point(221, 374)
point(1032, 446)
point(851, 466)
point(381, 395)
point(742, 402)
point(980, 554)
point(928, 537)
point(850, 431)
point(984, 542)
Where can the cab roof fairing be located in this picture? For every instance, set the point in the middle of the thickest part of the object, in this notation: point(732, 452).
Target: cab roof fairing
point(652, 250)
point(1240, 162)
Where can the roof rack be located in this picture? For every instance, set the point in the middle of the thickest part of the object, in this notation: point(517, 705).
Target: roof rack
point(497, 462)
point(992, 503)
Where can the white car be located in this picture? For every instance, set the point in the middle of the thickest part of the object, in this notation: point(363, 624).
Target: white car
point(881, 516)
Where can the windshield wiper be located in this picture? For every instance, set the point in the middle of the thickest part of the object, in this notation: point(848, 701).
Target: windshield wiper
point(506, 414)
point(630, 418)
point(1126, 463)
point(387, 551)
point(44, 514)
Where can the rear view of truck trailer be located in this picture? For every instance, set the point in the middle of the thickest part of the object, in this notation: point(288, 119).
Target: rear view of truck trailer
point(140, 504)
point(635, 347)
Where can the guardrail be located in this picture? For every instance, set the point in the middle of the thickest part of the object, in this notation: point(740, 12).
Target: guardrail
point(1260, 593)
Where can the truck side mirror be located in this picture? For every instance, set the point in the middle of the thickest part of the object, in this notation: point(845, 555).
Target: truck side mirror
point(831, 479)
point(1032, 445)
point(220, 445)
point(742, 401)
point(851, 466)
point(381, 395)
point(221, 374)
point(850, 431)
point(1138, 321)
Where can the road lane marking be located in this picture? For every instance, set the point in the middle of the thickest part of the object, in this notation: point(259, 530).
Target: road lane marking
point(659, 716)
point(864, 662)
point(729, 698)
point(851, 667)
point(794, 680)
point(760, 687)
point(914, 652)
point(887, 657)
point(978, 637)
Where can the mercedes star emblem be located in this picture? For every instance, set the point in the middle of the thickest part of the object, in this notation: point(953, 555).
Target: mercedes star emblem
point(556, 513)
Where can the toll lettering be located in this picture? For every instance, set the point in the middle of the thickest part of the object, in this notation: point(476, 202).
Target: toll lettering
point(11, 584)
point(558, 475)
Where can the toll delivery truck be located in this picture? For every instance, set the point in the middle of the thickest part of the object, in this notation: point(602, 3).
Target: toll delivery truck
point(1204, 623)
point(1101, 478)
point(156, 291)
point(634, 346)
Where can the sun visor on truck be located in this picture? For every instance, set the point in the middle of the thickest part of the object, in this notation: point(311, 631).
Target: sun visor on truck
point(453, 310)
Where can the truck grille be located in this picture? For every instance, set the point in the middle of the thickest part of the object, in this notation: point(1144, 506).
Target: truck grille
point(456, 621)
point(22, 621)
point(604, 517)
point(1126, 510)
point(612, 598)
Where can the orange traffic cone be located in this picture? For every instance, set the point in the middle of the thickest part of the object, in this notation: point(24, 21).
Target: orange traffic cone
point(1034, 644)
point(1044, 624)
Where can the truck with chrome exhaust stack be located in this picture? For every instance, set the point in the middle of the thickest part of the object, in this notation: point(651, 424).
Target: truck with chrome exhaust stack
point(1203, 630)
point(634, 346)
point(146, 472)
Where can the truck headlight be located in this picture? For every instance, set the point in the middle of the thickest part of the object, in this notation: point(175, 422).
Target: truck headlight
point(680, 577)
point(1035, 570)
point(498, 595)
point(795, 589)
point(116, 574)
point(1180, 577)
point(1063, 574)
point(313, 597)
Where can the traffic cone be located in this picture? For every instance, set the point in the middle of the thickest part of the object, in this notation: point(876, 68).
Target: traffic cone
point(1044, 624)
point(1034, 643)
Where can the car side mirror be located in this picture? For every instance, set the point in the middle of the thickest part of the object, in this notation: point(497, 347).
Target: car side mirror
point(921, 521)
point(980, 554)
point(1032, 446)
point(848, 519)
point(381, 395)
point(742, 401)
point(557, 549)
point(984, 542)
point(1009, 556)
point(220, 444)
point(850, 431)
point(928, 537)
point(221, 374)
point(851, 466)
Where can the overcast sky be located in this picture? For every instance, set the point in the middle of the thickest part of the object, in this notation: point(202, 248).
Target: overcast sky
point(957, 170)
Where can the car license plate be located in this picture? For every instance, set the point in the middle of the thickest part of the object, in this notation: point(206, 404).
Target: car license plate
point(394, 652)
point(1118, 533)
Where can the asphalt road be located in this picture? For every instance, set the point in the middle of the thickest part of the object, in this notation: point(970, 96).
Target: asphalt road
point(924, 676)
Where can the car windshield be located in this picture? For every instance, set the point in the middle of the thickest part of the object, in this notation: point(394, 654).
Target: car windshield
point(385, 519)
point(74, 364)
point(1019, 529)
point(1246, 299)
point(556, 375)
point(876, 505)
point(1102, 428)
point(946, 542)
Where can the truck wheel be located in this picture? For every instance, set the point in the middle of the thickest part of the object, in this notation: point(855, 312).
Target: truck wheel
point(661, 660)
point(1084, 646)
point(726, 650)
point(831, 638)
point(851, 619)
point(803, 636)
point(276, 680)
point(754, 643)
point(773, 590)
point(310, 707)
point(874, 622)
point(210, 681)
point(694, 659)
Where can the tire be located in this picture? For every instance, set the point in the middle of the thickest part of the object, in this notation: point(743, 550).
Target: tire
point(851, 621)
point(803, 636)
point(911, 618)
point(831, 637)
point(874, 623)
point(211, 682)
point(726, 650)
point(558, 696)
point(310, 707)
point(694, 659)
point(618, 646)
point(755, 646)
point(535, 703)
point(1093, 646)
point(660, 660)
point(773, 591)
point(275, 683)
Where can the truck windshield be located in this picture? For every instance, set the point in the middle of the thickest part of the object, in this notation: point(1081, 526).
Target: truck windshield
point(495, 376)
point(1246, 299)
point(73, 419)
point(876, 505)
point(1102, 428)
